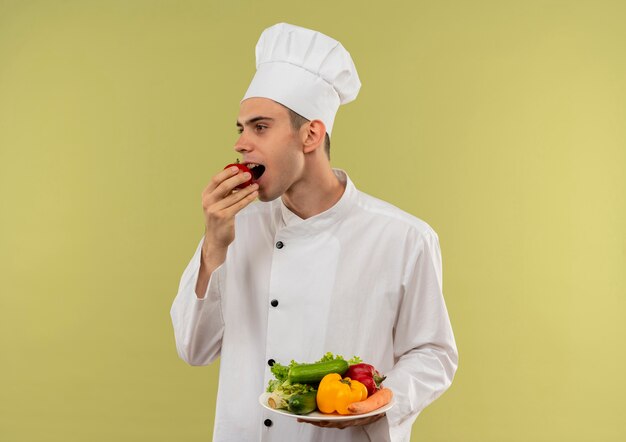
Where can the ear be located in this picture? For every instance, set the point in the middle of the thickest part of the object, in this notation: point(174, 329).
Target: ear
point(313, 135)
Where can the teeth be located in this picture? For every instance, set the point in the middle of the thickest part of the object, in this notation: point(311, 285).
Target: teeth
point(257, 170)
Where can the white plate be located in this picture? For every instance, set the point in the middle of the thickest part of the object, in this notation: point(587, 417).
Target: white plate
point(319, 416)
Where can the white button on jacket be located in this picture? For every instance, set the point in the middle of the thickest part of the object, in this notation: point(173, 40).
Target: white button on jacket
point(362, 278)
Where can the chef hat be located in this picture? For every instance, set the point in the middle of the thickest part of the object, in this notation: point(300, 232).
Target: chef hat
point(304, 70)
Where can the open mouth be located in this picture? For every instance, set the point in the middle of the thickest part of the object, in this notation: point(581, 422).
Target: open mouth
point(256, 170)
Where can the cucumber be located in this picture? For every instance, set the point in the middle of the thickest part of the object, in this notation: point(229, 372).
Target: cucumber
point(302, 403)
point(312, 373)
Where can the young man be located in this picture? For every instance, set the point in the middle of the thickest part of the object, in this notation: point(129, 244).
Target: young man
point(316, 267)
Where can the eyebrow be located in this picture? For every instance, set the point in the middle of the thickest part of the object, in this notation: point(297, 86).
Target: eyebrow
point(254, 120)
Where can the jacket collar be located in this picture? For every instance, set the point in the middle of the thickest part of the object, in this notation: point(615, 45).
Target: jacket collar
point(289, 222)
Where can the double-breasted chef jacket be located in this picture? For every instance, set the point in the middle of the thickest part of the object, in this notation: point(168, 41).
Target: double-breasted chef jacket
point(361, 278)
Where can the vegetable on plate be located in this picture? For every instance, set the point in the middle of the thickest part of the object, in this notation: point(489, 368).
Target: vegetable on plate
point(303, 403)
point(297, 398)
point(367, 375)
point(336, 393)
point(379, 399)
point(329, 385)
point(312, 373)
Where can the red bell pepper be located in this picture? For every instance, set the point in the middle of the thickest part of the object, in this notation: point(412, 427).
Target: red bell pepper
point(367, 375)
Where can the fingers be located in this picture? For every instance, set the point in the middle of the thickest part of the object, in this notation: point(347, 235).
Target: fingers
point(222, 212)
point(220, 204)
point(221, 177)
point(236, 207)
point(221, 200)
point(230, 184)
point(222, 185)
point(235, 197)
point(344, 424)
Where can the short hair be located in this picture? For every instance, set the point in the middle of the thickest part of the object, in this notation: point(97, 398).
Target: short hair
point(298, 120)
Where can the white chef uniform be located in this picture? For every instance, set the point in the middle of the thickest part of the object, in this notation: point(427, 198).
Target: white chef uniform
point(362, 278)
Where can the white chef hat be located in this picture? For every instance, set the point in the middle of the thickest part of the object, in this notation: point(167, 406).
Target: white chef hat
point(304, 70)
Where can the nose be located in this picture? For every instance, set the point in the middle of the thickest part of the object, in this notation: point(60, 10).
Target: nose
point(242, 145)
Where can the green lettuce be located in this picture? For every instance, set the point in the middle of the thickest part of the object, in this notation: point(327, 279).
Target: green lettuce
point(330, 357)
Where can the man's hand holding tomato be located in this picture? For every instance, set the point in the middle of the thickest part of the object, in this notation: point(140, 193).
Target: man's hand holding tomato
point(221, 201)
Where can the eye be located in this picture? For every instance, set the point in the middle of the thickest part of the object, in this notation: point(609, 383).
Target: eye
point(239, 130)
point(260, 127)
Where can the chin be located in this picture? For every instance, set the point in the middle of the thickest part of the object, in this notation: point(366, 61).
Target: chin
point(266, 199)
point(269, 193)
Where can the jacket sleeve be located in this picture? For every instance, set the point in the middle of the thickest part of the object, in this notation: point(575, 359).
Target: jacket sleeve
point(198, 322)
point(424, 346)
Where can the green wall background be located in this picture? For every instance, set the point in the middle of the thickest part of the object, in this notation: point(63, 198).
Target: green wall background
point(499, 123)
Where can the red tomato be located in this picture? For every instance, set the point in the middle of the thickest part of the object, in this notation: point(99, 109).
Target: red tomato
point(243, 168)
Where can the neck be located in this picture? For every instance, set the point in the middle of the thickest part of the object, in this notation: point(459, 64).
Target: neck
point(314, 193)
